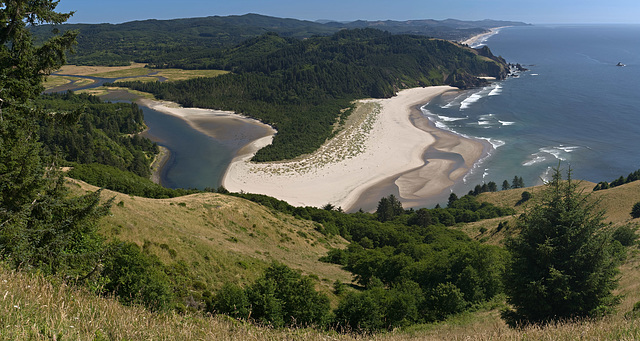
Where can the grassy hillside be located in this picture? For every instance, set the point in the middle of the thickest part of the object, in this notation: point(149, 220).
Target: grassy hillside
point(616, 202)
point(226, 238)
point(219, 238)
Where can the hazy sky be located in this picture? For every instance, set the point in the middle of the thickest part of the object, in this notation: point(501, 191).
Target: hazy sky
point(530, 11)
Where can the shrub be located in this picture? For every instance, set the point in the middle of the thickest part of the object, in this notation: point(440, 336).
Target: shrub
point(635, 211)
point(625, 235)
point(136, 277)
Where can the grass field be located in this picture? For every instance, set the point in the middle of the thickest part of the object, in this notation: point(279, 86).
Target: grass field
point(134, 72)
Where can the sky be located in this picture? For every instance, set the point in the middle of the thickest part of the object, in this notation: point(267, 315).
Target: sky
point(529, 11)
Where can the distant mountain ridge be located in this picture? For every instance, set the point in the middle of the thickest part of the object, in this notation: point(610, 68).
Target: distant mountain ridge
point(159, 40)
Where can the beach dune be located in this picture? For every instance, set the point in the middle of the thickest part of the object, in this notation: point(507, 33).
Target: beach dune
point(386, 142)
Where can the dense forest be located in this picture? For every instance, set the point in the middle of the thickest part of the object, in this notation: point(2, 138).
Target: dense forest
point(94, 131)
point(300, 87)
point(101, 142)
point(153, 41)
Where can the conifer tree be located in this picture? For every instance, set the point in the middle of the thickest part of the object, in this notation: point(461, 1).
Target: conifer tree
point(563, 264)
point(40, 225)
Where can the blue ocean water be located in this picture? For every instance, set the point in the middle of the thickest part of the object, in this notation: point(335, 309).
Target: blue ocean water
point(573, 105)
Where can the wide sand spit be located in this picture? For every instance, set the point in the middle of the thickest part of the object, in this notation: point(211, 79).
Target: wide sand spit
point(383, 140)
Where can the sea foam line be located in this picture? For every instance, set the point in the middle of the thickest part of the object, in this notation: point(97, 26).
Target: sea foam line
point(496, 91)
point(558, 152)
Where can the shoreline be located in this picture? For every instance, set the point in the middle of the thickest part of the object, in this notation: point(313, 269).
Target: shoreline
point(480, 38)
point(390, 149)
point(158, 164)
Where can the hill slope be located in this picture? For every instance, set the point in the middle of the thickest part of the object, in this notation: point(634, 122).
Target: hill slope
point(34, 308)
point(152, 41)
point(217, 238)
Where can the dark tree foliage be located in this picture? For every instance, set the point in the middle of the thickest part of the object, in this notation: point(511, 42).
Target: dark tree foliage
point(136, 277)
point(41, 226)
point(635, 210)
point(563, 264)
point(300, 87)
point(505, 185)
point(634, 176)
point(99, 132)
point(389, 208)
point(517, 182)
point(281, 297)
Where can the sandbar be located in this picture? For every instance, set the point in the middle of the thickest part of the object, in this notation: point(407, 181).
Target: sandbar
point(204, 120)
point(385, 142)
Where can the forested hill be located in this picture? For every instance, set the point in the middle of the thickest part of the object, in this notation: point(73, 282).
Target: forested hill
point(300, 86)
point(151, 40)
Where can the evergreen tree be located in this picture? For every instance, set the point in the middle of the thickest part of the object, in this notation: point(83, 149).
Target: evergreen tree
point(505, 185)
point(563, 264)
point(389, 208)
point(40, 225)
point(452, 198)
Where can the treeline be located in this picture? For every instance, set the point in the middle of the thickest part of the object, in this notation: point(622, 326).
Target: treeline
point(164, 41)
point(125, 182)
point(300, 87)
point(88, 130)
point(633, 176)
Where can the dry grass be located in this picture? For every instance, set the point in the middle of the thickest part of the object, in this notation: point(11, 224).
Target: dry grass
point(221, 238)
point(616, 202)
point(179, 74)
point(104, 90)
point(32, 308)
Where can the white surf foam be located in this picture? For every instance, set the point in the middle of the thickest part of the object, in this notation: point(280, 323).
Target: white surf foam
point(535, 158)
point(558, 152)
point(470, 100)
point(450, 119)
point(497, 90)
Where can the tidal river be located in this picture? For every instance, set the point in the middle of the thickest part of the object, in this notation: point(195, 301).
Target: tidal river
point(198, 157)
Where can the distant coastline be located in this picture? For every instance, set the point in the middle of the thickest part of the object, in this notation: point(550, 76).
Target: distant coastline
point(479, 39)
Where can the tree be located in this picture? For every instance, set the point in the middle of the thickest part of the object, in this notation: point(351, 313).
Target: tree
point(40, 225)
point(452, 198)
point(517, 182)
point(389, 208)
point(284, 297)
point(635, 211)
point(563, 264)
point(505, 185)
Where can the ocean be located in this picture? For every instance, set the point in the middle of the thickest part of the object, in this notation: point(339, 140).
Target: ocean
point(573, 105)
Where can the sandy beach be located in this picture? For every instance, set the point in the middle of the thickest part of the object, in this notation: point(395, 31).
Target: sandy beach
point(384, 143)
point(481, 37)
